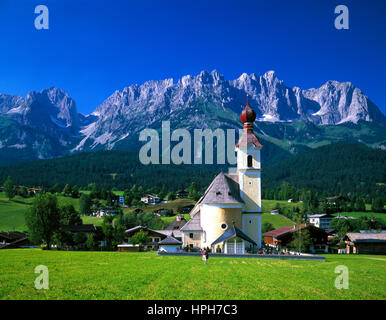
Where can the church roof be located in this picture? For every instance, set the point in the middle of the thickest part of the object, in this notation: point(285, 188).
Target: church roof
point(223, 189)
point(233, 232)
point(170, 240)
point(248, 137)
point(194, 224)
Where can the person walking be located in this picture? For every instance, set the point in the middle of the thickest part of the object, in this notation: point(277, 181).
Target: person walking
point(204, 255)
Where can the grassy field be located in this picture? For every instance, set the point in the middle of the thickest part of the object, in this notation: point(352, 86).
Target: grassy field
point(12, 212)
point(121, 275)
point(268, 205)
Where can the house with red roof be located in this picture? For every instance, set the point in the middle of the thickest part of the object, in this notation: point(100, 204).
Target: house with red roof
point(281, 237)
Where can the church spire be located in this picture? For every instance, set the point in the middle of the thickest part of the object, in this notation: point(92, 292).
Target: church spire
point(247, 117)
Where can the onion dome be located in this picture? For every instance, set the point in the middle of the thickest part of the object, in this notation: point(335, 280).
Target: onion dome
point(248, 114)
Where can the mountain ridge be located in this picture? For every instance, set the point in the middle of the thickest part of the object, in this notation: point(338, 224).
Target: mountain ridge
point(48, 125)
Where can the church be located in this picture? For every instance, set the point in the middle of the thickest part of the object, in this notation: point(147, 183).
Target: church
point(227, 218)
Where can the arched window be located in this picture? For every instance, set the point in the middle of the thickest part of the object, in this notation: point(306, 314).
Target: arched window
point(249, 161)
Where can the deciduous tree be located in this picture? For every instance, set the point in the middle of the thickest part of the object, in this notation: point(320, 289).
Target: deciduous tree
point(43, 218)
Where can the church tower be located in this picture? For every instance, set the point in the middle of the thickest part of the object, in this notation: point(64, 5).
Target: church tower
point(249, 175)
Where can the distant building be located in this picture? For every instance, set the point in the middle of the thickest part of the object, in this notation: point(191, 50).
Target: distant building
point(320, 220)
point(333, 200)
point(177, 223)
point(13, 239)
point(170, 244)
point(155, 237)
point(275, 212)
point(150, 199)
point(187, 209)
point(181, 194)
point(343, 217)
point(365, 243)
point(104, 212)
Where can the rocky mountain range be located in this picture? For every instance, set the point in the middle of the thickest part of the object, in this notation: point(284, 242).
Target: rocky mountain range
point(46, 124)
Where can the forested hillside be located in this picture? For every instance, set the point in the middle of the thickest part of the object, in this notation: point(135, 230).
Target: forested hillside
point(335, 168)
point(108, 169)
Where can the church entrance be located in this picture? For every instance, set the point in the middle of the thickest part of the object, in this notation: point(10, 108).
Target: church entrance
point(234, 247)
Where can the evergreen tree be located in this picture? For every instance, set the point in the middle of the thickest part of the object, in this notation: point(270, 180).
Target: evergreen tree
point(85, 203)
point(377, 204)
point(23, 192)
point(162, 193)
point(193, 194)
point(108, 230)
point(69, 216)
point(91, 242)
point(67, 190)
point(56, 188)
point(9, 188)
point(75, 192)
point(360, 205)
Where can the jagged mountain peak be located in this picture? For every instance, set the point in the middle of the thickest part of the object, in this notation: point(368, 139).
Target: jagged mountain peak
point(203, 100)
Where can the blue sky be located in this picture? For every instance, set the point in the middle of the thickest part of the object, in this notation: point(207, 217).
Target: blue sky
point(93, 48)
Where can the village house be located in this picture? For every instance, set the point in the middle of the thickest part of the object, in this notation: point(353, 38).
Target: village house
point(281, 237)
point(150, 199)
point(155, 237)
point(181, 194)
point(104, 212)
point(320, 220)
point(365, 243)
point(170, 244)
point(13, 239)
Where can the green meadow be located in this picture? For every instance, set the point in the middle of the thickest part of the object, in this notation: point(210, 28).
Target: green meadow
point(122, 275)
point(12, 212)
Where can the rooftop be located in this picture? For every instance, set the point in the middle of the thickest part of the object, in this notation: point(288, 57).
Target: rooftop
point(231, 233)
point(279, 231)
point(194, 224)
point(170, 240)
point(223, 189)
point(366, 237)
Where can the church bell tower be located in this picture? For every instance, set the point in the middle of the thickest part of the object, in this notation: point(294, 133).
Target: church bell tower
point(249, 173)
point(248, 162)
